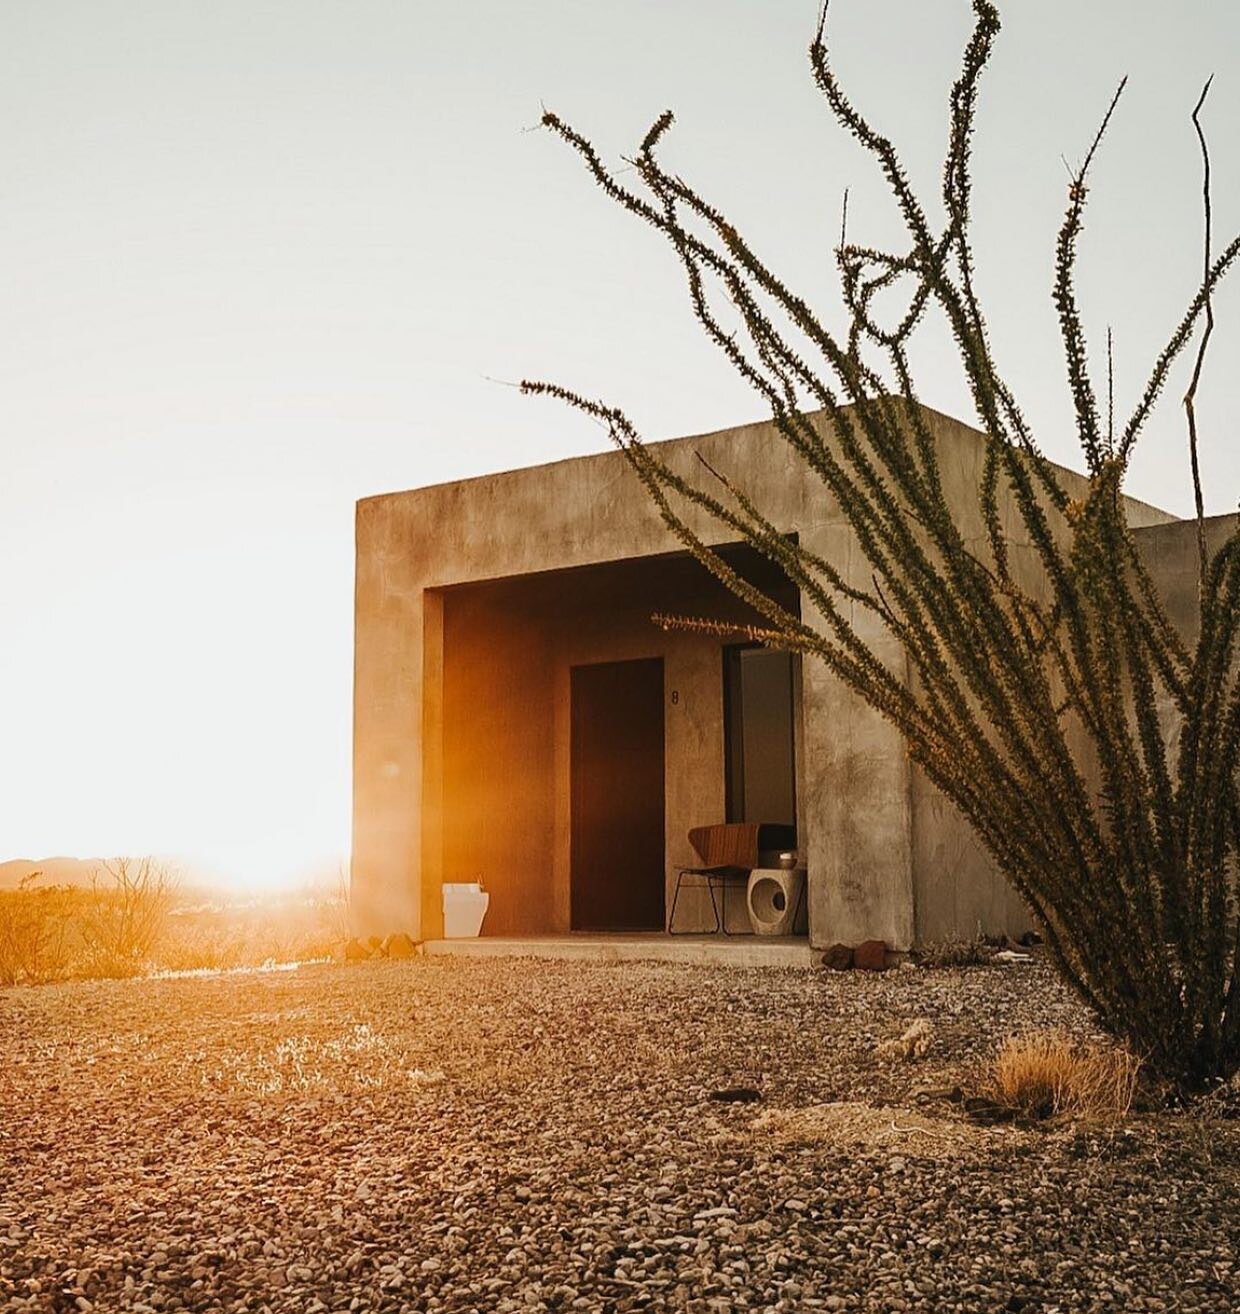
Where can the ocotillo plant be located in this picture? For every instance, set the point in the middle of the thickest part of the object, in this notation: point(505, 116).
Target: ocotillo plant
point(1033, 702)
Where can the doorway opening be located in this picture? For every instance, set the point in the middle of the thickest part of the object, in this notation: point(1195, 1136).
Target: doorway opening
point(617, 795)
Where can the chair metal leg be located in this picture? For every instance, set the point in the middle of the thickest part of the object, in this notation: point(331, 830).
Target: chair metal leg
point(710, 886)
point(718, 905)
point(714, 907)
point(725, 915)
point(671, 921)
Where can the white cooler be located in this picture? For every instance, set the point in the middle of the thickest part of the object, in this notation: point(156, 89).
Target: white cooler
point(464, 907)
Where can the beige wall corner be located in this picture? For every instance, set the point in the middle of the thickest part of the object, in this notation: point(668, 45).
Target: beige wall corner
point(387, 728)
point(857, 803)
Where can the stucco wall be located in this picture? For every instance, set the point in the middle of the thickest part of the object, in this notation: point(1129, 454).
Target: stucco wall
point(886, 856)
point(1171, 556)
point(957, 891)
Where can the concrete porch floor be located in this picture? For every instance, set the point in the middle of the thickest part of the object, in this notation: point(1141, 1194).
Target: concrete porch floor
point(607, 947)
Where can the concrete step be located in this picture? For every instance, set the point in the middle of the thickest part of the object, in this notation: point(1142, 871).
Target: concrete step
point(713, 950)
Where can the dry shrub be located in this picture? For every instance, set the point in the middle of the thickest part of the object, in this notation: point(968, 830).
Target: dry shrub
point(192, 946)
point(34, 932)
point(130, 899)
point(134, 919)
point(1047, 1074)
point(275, 929)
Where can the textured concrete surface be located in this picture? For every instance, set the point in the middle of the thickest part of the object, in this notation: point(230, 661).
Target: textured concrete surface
point(473, 600)
point(1171, 556)
point(704, 950)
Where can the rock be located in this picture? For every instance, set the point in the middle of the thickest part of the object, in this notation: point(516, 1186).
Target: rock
point(839, 958)
point(870, 956)
point(736, 1095)
point(1029, 939)
point(399, 945)
point(951, 1094)
point(375, 945)
point(986, 1111)
point(913, 1043)
point(356, 952)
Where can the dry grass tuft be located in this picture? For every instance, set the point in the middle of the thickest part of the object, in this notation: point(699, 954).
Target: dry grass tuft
point(1046, 1074)
point(356, 1059)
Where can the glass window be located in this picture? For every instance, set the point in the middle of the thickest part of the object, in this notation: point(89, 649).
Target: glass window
point(758, 731)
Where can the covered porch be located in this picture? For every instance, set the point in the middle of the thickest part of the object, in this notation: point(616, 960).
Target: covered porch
point(570, 744)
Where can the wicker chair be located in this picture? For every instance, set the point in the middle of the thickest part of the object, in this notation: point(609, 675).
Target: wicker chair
point(728, 853)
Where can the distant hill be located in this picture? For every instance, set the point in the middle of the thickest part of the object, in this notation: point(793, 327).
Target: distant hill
point(52, 871)
point(190, 880)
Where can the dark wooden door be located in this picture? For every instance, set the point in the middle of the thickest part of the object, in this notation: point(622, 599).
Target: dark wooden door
point(617, 796)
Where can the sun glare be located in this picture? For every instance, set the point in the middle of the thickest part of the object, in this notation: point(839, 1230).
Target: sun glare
point(260, 867)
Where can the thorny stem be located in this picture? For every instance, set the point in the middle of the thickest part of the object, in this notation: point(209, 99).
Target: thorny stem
point(1110, 393)
point(1190, 397)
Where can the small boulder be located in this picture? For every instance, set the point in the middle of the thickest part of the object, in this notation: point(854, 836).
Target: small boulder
point(839, 958)
point(399, 945)
point(356, 952)
point(870, 956)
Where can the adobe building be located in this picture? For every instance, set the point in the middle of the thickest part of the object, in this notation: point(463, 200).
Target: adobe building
point(519, 718)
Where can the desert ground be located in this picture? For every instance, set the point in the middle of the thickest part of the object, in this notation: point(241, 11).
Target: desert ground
point(516, 1135)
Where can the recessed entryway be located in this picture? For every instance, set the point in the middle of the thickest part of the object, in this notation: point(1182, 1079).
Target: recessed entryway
point(547, 689)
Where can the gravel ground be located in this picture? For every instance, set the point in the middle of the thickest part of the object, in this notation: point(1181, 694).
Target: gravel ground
point(512, 1135)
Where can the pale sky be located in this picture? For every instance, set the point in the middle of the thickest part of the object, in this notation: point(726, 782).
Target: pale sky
point(260, 258)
